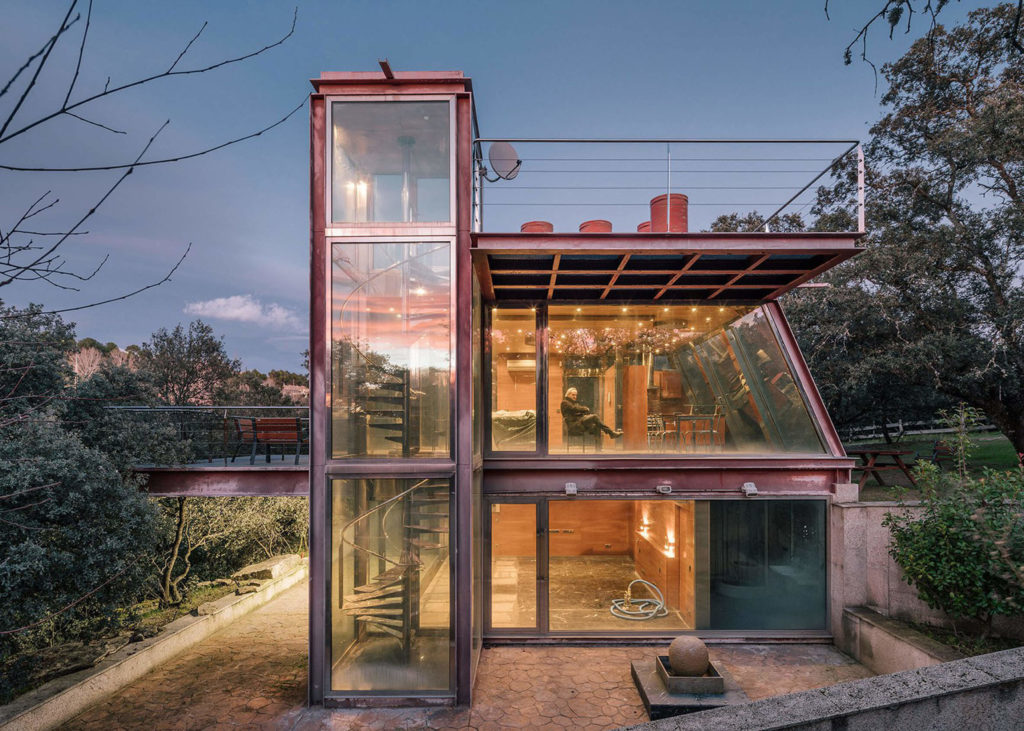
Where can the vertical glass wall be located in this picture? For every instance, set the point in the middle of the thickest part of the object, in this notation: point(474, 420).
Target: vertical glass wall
point(391, 161)
point(391, 349)
point(513, 565)
point(767, 564)
point(599, 553)
point(640, 379)
point(512, 337)
point(390, 585)
point(661, 566)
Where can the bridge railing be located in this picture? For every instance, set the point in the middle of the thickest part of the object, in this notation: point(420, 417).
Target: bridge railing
point(197, 436)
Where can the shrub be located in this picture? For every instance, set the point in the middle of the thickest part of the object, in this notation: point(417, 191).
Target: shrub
point(964, 551)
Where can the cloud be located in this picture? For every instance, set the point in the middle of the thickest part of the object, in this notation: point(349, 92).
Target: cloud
point(245, 308)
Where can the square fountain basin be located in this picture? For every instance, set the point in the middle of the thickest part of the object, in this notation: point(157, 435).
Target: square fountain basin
point(710, 682)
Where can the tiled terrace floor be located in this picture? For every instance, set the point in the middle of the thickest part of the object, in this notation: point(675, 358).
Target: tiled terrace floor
point(253, 675)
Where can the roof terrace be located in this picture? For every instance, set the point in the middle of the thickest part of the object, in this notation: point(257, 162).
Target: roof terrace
point(642, 220)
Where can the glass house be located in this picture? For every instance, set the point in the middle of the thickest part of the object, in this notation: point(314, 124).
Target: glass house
point(509, 429)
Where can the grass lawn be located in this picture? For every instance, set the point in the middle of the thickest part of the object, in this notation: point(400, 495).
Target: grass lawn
point(992, 451)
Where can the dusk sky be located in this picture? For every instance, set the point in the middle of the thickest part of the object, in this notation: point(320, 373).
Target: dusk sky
point(540, 69)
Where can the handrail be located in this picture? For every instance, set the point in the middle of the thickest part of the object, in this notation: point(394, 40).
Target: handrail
point(211, 407)
point(369, 512)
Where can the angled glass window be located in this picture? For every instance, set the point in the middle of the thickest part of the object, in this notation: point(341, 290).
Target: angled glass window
point(390, 162)
point(390, 350)
point(700, 379)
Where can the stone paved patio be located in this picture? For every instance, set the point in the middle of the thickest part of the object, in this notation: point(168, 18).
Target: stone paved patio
point(253, 675)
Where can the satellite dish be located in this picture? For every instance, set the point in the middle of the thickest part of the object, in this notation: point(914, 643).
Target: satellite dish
point(504, 161)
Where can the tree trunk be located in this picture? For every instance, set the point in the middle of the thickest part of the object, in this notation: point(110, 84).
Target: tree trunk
point(168, 587)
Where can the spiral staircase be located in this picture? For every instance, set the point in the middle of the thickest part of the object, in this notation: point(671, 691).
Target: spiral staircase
point(386, 596)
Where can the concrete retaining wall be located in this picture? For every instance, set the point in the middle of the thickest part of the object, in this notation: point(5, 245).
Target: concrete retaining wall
point(862, 574)
point(985, 692)
point(56, 702)
point(886, 645)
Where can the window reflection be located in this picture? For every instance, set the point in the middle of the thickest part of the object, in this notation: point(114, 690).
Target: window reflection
point(650, 378)
point(390, 162)
point(391, 350)
point(767, 564)
point(513, 380)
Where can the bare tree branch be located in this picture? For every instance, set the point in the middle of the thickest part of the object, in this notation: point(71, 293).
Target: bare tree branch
point(81, 52)
point(39, 69)
point(146, 80)
point(37, 54)
point(162, 161)
point(96, 124)
point(31, 266)
point(166, 278)
point(187, 46)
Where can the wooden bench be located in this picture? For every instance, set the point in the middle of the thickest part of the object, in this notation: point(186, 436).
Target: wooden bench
point(276, 430)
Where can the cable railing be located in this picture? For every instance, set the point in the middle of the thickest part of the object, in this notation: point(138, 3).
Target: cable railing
point(568, 184)
point(209, 436)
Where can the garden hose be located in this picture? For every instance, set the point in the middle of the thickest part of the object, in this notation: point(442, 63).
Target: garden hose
point(639, 609)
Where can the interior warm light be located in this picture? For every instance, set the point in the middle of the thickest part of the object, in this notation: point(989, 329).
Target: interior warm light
point(420, 291)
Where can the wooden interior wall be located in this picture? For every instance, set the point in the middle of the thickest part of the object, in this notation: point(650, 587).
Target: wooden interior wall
point(598, 527)
point(651, 562)
point(555, 394)
point(514, 530)
point(634, 408)
point(514, 393)
point(607, 407)
point(687, 552)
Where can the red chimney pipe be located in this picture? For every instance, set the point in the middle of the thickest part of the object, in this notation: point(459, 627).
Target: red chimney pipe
point(536, 227)
point(669, 213)
point(597, 226)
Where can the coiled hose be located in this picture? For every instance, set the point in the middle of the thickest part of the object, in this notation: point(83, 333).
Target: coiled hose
point(639, 609)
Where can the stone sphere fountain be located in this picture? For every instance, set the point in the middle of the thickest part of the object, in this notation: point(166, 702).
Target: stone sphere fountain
point(685, 680)
point(687, 667)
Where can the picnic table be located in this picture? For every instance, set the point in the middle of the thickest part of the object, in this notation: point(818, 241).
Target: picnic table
point(875, 461)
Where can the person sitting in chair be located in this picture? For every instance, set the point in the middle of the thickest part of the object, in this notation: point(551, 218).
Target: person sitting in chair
point(579, 420)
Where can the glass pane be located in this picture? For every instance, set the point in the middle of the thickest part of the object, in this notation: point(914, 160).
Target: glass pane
point(514, 565)
point(391, 354)
point(513, 380)
point(678, 379)
point(601, 549)
point(391, 162)
point(767, 564)
point(390, 595)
